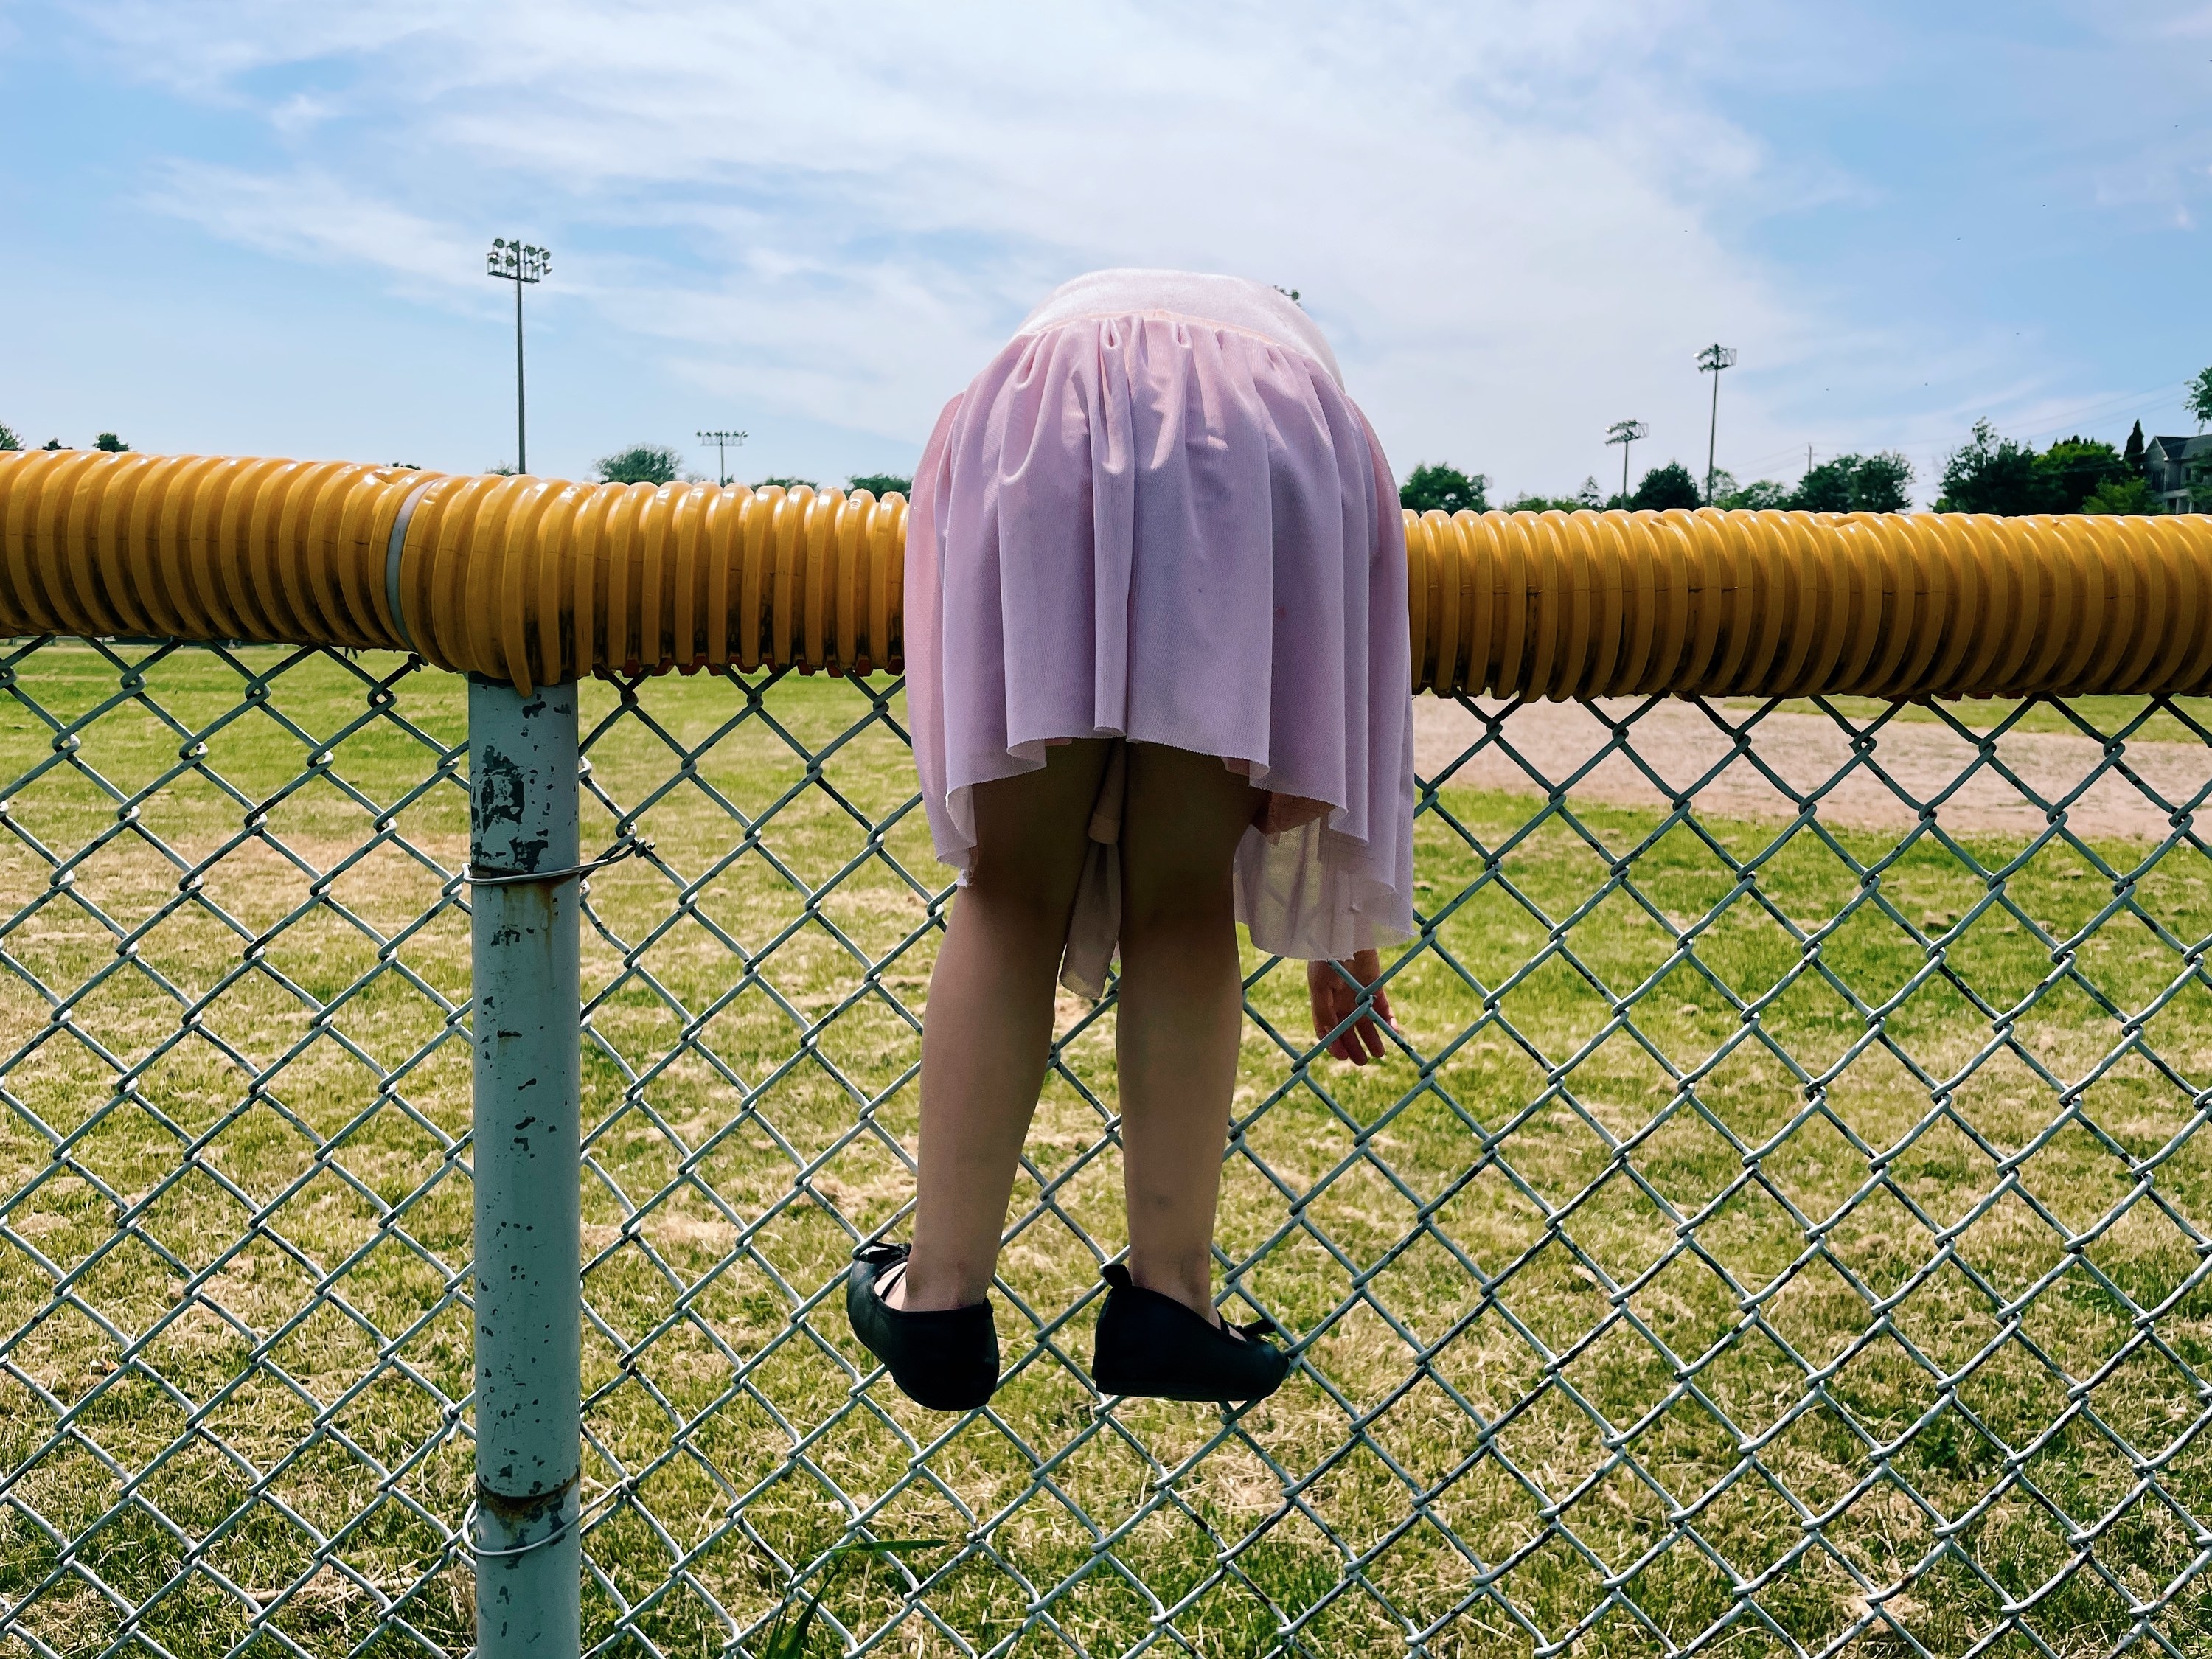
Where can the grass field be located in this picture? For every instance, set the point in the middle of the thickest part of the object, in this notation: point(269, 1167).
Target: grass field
point(1678, 1266)
point(2101, 715)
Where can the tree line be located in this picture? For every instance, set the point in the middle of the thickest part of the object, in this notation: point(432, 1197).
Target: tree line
point(10, 439)
point(1880, 483)
point(653, 463)
point(662, 463)
point(1988, 473)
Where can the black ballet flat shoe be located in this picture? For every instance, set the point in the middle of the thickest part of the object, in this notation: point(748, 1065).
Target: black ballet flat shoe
point(1151, 1345)
point(947, 1360)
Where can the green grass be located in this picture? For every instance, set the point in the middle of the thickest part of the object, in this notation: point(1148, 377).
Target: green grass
point(1567, 1204)
point(2106, 716)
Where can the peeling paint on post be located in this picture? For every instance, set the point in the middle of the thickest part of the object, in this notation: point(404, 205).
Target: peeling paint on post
point(522, 819)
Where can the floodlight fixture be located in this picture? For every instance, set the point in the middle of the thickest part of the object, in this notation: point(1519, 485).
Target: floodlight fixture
point(1625, 433)
point(723, 442)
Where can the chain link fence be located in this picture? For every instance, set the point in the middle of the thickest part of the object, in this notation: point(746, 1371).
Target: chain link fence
point(1782, 1225)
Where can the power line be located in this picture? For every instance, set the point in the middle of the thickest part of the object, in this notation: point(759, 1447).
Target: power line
point(2138, 403)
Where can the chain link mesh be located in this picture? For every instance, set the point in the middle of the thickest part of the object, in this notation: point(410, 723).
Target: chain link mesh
point(1781, 1224)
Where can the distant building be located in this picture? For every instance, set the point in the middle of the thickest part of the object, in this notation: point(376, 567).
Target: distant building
point(2173, 465)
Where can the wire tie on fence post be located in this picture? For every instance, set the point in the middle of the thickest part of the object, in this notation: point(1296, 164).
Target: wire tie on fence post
point(584, 1513)
point(469, 1517)
point(626, 846)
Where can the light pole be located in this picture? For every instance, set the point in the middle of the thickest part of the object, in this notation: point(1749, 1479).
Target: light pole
point(1712, 361)
point(512, 262)
point(1625, 433)
point(723, 442)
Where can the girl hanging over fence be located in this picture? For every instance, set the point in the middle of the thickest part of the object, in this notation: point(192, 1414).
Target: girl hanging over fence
point(1157, 665)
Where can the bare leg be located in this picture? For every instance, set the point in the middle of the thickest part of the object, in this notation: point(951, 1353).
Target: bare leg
point(988, 1029)
point(1181, 1011)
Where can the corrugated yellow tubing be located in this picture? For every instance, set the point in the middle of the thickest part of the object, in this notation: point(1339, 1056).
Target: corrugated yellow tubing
point(1886, 605)
point(534, 580)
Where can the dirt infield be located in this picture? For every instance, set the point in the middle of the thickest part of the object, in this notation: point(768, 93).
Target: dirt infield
point(1910, 763)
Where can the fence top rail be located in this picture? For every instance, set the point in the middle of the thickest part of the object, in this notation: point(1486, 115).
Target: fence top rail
point(537, 580)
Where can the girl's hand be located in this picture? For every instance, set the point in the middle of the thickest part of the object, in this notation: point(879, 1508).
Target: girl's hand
point(1333, 1001)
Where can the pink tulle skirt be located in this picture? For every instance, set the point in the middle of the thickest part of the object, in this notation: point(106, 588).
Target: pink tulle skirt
point(1177, 532)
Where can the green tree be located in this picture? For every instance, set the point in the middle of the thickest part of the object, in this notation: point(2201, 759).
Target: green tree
point(2074, 468)
point(1441, 489)
point(1587, 499)
point(1825, 488)
point(7, 437)
point(1760, 495)
point(652, 464)
point(1989, 474)
point(788, 483)
point(880, 485)
point(1856, 484)
point(111, 443)
point(1884, 484)
point(53, 443)
point(2198, 396)
point(2121, 495)
point(2133, 455)
point(1666, 486)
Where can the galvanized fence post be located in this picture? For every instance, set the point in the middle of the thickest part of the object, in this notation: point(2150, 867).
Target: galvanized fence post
point(523, 852)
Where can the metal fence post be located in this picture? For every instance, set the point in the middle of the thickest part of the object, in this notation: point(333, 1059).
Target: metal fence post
point(523, 945)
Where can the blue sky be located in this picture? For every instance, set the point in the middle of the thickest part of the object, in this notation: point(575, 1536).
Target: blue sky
point(258, 228)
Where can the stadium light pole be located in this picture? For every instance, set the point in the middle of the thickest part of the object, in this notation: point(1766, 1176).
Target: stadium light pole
point(723, 442)
point(1712, 361)
point(512, 261)
point(1625, 433)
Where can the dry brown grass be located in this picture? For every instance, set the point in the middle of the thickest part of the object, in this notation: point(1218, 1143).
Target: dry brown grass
point(1577, 1337)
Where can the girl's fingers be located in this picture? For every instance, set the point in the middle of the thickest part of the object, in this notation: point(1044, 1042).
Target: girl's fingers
point(1334, 1001)
point(1348, 1044)
point(1325, 1021)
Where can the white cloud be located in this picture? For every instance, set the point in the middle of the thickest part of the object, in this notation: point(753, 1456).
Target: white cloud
point(310, 216)
point(1506, 214)
point(299, 112)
